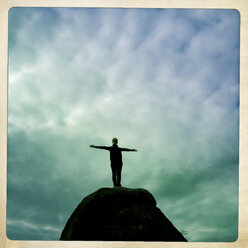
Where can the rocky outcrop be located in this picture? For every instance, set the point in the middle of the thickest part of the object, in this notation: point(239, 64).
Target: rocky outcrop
point(119, 214)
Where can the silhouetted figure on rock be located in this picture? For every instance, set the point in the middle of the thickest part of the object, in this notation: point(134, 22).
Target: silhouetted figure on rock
point(115, 159)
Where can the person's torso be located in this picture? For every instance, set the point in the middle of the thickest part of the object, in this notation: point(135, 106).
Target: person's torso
point(115, 154)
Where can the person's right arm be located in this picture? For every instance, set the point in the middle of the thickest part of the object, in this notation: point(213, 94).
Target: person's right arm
point(100, 147)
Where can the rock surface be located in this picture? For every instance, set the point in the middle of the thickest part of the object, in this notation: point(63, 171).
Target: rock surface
point(119, 214)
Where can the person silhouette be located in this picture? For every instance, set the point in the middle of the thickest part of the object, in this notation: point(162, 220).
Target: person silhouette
point(115, 159)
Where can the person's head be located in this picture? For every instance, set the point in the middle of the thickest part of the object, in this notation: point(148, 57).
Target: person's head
point(115, 141)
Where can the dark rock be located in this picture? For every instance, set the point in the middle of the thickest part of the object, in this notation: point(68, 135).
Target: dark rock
point(119, 214)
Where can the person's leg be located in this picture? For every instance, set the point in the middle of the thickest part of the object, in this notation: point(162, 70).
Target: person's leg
point(113, 168)
point(119, 168)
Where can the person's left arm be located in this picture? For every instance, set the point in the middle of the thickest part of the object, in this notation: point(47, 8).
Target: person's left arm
point(128, 150)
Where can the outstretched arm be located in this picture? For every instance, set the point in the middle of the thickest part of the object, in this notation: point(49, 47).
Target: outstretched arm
point(128, 150)
point(100, 147)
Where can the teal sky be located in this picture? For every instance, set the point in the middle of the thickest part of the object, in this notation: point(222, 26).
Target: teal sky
point(165, 82)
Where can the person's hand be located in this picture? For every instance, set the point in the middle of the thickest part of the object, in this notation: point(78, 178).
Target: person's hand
point(92, 146)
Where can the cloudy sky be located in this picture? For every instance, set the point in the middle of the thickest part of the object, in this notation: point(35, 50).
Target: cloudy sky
point(165, 82)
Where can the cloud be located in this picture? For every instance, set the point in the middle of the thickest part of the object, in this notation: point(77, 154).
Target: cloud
point(163, 81)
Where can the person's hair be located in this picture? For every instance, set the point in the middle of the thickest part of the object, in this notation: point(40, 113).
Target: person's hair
point(115, 141)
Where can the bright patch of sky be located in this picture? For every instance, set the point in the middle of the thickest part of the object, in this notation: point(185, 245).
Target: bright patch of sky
point(165, 82)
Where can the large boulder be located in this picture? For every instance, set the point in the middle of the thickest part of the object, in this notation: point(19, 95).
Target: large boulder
point(119, 214)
